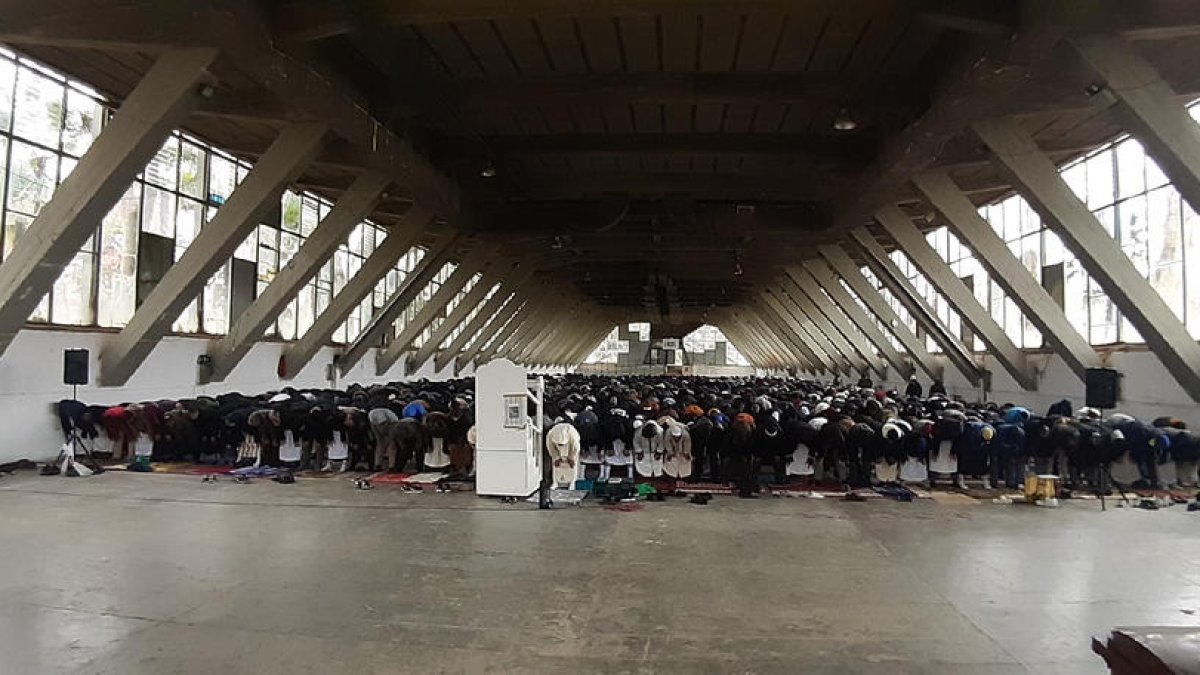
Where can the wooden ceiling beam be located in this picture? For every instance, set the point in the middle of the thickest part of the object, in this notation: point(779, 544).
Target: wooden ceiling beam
point(850, 149)
point(671, 87)
point(302, 20)
point(702, 186)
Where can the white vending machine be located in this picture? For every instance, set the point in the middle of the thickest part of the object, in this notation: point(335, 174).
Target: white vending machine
point(508, 443)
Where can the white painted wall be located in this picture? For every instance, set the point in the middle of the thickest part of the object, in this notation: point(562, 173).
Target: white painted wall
point(1147, 389)
point(31, 381)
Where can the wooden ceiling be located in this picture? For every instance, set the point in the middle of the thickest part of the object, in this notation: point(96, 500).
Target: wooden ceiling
point(691, 140)
point(663, 156)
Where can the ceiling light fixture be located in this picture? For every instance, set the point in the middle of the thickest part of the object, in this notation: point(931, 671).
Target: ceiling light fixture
point(844, 122)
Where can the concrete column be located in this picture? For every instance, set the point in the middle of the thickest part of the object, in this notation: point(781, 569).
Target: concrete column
point(836, 258)
point(158, 103)
point(1040, 183)
point(889, 274)
point(914, 245)
point(412, 285)
point(816, 303)
point(513, 284)
point(291, 152)
point(349, 211)
point(803, 278)
point(399, 241)
point(474, 261)
point(995, 256)
point(816, 322)
point(496, 273)
point(800, 331)
point(1149, 109)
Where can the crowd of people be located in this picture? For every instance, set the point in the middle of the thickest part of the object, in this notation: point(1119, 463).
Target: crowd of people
point(860, 435)
point(742, 431)
point(394, 427)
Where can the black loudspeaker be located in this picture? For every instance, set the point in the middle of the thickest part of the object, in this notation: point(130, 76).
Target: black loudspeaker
point(75, 366)
point(1101, 388)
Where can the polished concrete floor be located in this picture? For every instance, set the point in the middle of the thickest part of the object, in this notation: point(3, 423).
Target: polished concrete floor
point(162, 574)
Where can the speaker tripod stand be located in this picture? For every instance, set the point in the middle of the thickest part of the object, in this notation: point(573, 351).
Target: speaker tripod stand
point(73, 448)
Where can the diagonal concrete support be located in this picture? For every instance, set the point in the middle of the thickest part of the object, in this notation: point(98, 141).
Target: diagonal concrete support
point(399, 241)
point(961, 298)
point(589, 345)
point(514, 284)
point(753, 351)
point(349, 211)
point(798, 305)
point(786, 353)
point(600, 329)
point(817, 275)
point(817, 304)
point(517, 307)
point(570, 312)
point(530, 325)
point(889, 274)
point(292, 151)
point(495, 274)
point(804, 282)
point(1149, 109)
point(158, 103)
point(796, 328)
point(477, 259)
point(553, 337)
point(763, 326)
point(535, 310)
point(408, 290)
point(836, 258)
point(1040, 183)
point(747, 347)
point(584, 339)
point(995, 256)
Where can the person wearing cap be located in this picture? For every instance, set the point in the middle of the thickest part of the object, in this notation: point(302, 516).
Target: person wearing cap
point(677, 449)
point(913, 390)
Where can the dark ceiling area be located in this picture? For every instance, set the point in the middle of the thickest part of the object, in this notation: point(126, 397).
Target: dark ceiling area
point(667, 150)
point(663, 157)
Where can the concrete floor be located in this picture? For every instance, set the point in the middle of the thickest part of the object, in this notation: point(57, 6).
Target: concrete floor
point(164, 574)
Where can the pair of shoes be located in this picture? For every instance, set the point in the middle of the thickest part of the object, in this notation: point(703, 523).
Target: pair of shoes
point(363, 484)
point(209, 478)
point(701, 498)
